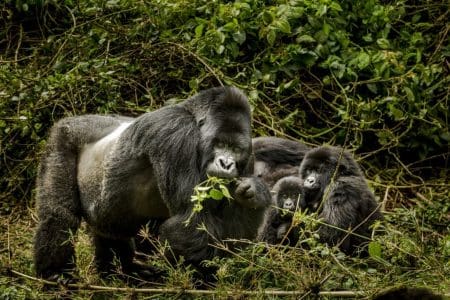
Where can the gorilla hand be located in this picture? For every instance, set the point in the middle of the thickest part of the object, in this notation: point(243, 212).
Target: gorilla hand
point(251, 192)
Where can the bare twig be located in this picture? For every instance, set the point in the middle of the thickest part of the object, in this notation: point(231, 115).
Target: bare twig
point(208, 67)
point(268, 292)
point(19, 43)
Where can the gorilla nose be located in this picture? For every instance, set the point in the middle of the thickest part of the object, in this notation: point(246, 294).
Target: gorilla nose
point(223, 166)
point(310, 181)
point(288, 204)
point(226, 163)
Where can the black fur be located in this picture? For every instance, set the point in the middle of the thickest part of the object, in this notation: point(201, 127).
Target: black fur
point(276, 158)
point(119, 173)
point(408, 293)
point(335, 187)
point(286, 194)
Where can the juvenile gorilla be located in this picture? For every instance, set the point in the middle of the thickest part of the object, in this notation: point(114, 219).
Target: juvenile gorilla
point(276, 158)
point(286, 194)
point(335, 187)
point(118, 173)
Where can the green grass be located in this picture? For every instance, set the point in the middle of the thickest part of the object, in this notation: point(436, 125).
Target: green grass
point(414, 251)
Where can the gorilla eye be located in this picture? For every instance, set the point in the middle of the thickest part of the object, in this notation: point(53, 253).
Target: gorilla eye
point(221, 145)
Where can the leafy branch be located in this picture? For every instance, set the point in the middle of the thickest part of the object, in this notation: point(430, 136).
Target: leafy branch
point(214, 188)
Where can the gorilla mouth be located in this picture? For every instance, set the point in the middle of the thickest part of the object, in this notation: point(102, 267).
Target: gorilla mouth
point(222, 174)
point(223, 167)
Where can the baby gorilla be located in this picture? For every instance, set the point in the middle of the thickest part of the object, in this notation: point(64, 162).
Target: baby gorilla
point(285, 198)
point(335, 187)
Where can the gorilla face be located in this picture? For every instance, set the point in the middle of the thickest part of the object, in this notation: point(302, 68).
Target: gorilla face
point(225, 161)
point(318, 168)
point(314, 184)
point(287, 192)
point(226, 141)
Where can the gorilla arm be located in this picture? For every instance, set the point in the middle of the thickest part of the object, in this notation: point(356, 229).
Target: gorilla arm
point(350, 206)
point(238, 218)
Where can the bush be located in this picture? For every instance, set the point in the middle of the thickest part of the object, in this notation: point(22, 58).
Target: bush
point(369, 75)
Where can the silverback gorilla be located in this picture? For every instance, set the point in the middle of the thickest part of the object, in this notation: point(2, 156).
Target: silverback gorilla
point(118, 173)
point(335, 187)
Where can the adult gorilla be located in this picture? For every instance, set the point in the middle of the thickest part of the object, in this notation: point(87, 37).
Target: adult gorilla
point(118, 173)
point(276, 158)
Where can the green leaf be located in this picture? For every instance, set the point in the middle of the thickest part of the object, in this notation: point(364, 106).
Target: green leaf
point(225, 191)
point(267, 17)
point(384, 136)
point(220, 49)
point(368, 37)
point(282, 25)
point(199, 30)
point(363, 60)
point(193, 83)
point(326, 28)
point(335, 6)
point(383, 43)
point(375, 249)
point(395, 112)
point(271, 36)
point(216, 194)
point(230, 27)
point(372, 87)
point(239, 37)
point(409, 94)
point(305, 39)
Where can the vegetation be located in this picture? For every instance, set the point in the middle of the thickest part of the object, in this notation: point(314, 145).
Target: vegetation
point(371, 75)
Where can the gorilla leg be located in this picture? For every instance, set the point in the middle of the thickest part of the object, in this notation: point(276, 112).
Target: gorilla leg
point(146, 243)
point(59, 206)
point(186, 239)
point(59, 213)
point(106, 249)
point(191, 243)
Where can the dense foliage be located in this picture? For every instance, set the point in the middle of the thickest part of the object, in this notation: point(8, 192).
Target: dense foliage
point(370, 75)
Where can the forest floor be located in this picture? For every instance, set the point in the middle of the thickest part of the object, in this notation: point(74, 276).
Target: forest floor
point(412, 250)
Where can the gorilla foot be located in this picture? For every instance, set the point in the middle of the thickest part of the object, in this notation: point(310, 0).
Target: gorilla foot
point(58, 281)
point(137, 273)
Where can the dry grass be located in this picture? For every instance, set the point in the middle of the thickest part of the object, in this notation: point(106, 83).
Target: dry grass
point(415, 252)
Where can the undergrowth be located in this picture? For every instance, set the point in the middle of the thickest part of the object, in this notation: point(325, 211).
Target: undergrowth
point(372, 76)
point(411, 253)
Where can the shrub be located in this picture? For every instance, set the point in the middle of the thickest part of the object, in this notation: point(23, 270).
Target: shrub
point(369, 75)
